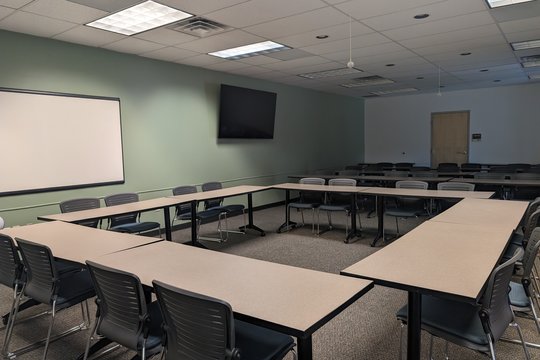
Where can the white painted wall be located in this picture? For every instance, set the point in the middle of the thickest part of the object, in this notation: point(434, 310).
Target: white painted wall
point(399, 128)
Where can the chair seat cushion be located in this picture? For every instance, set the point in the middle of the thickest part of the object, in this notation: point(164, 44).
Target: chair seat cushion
point(403, 212)
point(209, 214)
point(336, 207)
point(136, 227)
point(304, 205)
point(510, 251)
point(234, 207)
point(458, 319)
point(516, 239)
point(74, 288)
point(257, 343)
point(518, 297)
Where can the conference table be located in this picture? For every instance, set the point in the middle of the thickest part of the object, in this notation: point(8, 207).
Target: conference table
point(505, 184)
point(284, 298)
point(164, 203)
point(288, 187)
point(388, 177)
point(450, 257)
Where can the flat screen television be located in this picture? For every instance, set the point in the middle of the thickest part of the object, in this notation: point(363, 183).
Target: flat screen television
point(246, 113)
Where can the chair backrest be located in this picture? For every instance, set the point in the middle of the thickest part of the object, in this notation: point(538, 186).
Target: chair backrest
point(11, 267)
point(324, 172)
point(404, 166)
point(209, 186)
point(41, 275)
point(497, 176)
point(420, 168)
point(428, 174)
point(349, 172)
point(411, 184)
point(502, 169)
point(471, 167)
point(451, 167)
point(397, 173)
point(121, 305)
point(183, 190)
point(496, 312)
point(342, 198)
point(196, 326)
point(457, 186)
point(120, 199)
point(525, 176)
point(531, 223)
point(312, 196)
point(81, 204)
point(520, 166)
point(531, 208)
point(531, 252)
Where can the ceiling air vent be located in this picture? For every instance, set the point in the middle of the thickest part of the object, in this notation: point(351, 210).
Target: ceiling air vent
point(199, 27)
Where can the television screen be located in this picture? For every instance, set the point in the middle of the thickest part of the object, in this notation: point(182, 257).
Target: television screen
point(246, 113)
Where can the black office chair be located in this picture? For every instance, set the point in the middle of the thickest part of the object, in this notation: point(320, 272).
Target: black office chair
point(309, 200)
point(349, 172)
point(81, 204)
point(477, 326)
point(444, 204)
point(213, 207)
point(45, 285)
point(408, 207)
point(497, 189)
point(404, 166)
point(525, 192)
point(447, 167)
point(337, 202)
point(201, 327)
point(128, 223)
point(470, 167)
point(124, 315)
point(183, 211)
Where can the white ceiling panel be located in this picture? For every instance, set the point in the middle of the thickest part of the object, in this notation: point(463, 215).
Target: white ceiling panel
point(337, 32)
point(291, 64)
point(32, 24)
point(258, 60)
point(367, 9)
point(463, 46)
point(301, 23)
point(222, 41)
point(133, 46)
point(14, 4)
point(342, 45)
point(249, 71)
point(89, 36)
point(531, 23)
point(452, 36)
point(523, 35)
point(271, 75)
point(314, 68)
point(199, 7)
point(440, 26)
point(477, 53)
point(453, 66)
point(371, 53)
point(259, 11)
point(169, 54)
point(5, 11)
point(517, 11)
point(227, 65)
point(65, 10)
point(166, 36)
point(200, 60)
point(438, 11)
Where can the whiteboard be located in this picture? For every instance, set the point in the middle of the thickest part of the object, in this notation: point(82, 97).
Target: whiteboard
point(53, 141)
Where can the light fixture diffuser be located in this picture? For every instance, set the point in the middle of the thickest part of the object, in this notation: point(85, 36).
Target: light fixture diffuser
point(245, 51)
point(368, 81)
point(395, 91)
point(534, 76)
point(524, 45)
point(530, 61)
point(141, 17)
point(498, 3)
point(330, 73)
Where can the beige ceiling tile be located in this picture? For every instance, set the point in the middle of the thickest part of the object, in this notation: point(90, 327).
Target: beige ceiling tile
point(165, 36)
point(370, 51)
point(463, 46)
point(342, 45)
point(532, 23)
point(270, 75)
point(5, 11)
point(440, 26)
point(200, 60)
point(451, 36)
point(437, 11)
point(301, 23)
point(314, 68)
point(198, 7)
point(14, 4)
point(523, 35)
point(259, 11)
point(89, 36)
point(65, 10)
point(227, 65)
point(249, 71)
point(133, 46)
point(222, 41)
point(367, 9)
point(477, 53)
point(258, 60)
point(33, 24)
point(290, 64)
point(169, 54)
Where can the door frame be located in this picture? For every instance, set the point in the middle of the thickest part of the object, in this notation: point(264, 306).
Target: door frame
point(468, 112)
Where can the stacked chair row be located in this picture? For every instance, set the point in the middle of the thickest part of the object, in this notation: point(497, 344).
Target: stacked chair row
point(179, 325)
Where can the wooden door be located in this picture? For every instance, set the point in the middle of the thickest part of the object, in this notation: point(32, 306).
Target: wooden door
point(449, 137)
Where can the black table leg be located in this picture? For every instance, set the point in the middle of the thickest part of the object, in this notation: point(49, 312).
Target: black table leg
point(167, 216)
point(305, 348)
point(354, 231)
point(288, 224)
point(414, 325)
point(194, 241)
point(380, 219)
point(250, 224)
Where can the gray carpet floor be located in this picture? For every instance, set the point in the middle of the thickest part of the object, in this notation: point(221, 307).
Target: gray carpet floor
point(367, 329)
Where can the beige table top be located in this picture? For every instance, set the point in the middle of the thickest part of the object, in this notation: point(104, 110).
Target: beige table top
point(328, 188)
point(502, 182)
point(428, 193)
point(74, 242)
point(104, 212)
point(226, 192)
point(491, 212)
point(437, 257)
point(294, 298)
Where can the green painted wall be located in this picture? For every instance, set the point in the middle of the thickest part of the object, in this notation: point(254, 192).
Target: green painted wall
point(169, 123)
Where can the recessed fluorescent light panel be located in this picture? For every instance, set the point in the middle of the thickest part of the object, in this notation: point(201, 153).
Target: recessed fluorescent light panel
point(142, 17)
point(530, 61)
point(395, 91)
point(534, 76)
point(368, 81)
point(241, 52)
point(524, 45)
point(498, 3)
point(330, 73)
